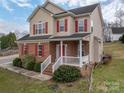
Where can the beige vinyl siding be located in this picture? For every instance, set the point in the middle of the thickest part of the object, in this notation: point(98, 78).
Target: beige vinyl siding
point(98, 29)
point(53, 8)
point(43, 16)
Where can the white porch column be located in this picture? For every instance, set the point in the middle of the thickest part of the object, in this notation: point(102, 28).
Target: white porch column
point(80, 44)
point(61, 49)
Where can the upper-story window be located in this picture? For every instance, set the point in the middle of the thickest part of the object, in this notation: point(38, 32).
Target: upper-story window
point(40, 28)
point(80, 26)
point(62, 25)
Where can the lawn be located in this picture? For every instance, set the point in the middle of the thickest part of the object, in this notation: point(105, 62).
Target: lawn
point(106, 78)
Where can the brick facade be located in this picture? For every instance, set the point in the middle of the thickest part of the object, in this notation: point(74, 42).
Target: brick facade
point(50, 49)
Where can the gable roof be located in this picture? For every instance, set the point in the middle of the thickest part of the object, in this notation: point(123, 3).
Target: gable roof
point(118, 30)
point(85, 9)
point(76, 11)
point(36, 10)
point(48, 1)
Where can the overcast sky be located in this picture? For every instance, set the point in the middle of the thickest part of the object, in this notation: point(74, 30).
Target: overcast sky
point(14, 13)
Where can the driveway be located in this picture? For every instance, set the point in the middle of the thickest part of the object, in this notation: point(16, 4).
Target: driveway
point(7, 59)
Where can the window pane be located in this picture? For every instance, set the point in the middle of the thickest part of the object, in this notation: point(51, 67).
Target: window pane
point(40, 28)
point(62, 25)
point(80, 26)
point(40, 50)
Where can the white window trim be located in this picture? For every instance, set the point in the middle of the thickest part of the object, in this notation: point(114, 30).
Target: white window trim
point(83, 26)
point(60, 26)
point(38, 50)
point(37, 34)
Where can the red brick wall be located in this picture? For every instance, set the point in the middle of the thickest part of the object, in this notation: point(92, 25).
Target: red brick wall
point(50, 49)
point(31, 51)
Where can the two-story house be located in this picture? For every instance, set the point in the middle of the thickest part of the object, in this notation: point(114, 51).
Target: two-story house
point(57, 36)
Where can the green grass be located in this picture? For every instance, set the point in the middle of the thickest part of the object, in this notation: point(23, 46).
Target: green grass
point(106, 78)
point(110, 77)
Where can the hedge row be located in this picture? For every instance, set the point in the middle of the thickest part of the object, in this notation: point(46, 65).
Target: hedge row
point(29, 64)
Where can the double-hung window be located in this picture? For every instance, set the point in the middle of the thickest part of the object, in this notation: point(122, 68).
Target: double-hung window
point(40, 47)
point(40, 28)
point(61, 25)
point(80, 26)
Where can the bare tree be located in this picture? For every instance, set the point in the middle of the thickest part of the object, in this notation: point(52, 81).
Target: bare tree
point(119, 14)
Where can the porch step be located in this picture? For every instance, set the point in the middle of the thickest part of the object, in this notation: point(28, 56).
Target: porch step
point(48, 70)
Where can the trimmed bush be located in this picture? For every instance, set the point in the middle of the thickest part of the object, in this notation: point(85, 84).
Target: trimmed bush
point(30, 65)
point(17, 62)
point(37, 67)
point(28, 61)
point(66, 74)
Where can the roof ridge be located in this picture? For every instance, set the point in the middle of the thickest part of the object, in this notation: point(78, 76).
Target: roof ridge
point(84, 6)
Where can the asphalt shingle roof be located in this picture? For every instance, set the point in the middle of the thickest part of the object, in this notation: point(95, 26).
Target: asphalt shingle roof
point(118, 30)
point(28, 37)
point(78, 35)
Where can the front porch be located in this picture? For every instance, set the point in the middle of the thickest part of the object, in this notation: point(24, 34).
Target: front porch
point(74, 53)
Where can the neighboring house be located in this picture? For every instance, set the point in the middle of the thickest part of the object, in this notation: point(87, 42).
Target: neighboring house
point(116, 33)
point(57, 36)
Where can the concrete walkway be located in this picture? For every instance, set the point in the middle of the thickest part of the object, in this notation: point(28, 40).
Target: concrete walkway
point(25, 72)
point(7, 59)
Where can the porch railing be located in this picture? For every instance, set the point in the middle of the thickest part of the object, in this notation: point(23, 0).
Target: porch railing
point(45, 64)
point(74, 61)
point(85, 59)
point(68, 60)
point(57, 64)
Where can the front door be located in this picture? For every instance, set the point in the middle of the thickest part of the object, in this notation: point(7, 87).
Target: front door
point(58, 50)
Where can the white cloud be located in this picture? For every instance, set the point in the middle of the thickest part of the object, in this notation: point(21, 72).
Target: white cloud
point(22, 3)
point(6, 27)
point(7, 4)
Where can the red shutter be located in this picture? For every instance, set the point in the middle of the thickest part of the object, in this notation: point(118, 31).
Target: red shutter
point(34, 29)
point(76, 25)
point(36, 49)
point(43, 50)
point(85, 25)
point(22, 49)
point(57, 25)
point(46, 27)
point(66, 25)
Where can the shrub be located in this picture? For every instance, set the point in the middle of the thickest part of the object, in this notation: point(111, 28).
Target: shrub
point(17, 62)
point(37, 67)
point(106, 59)
point(28, 60)
point(30, 65)
point(121, 39)
point(66, 74)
